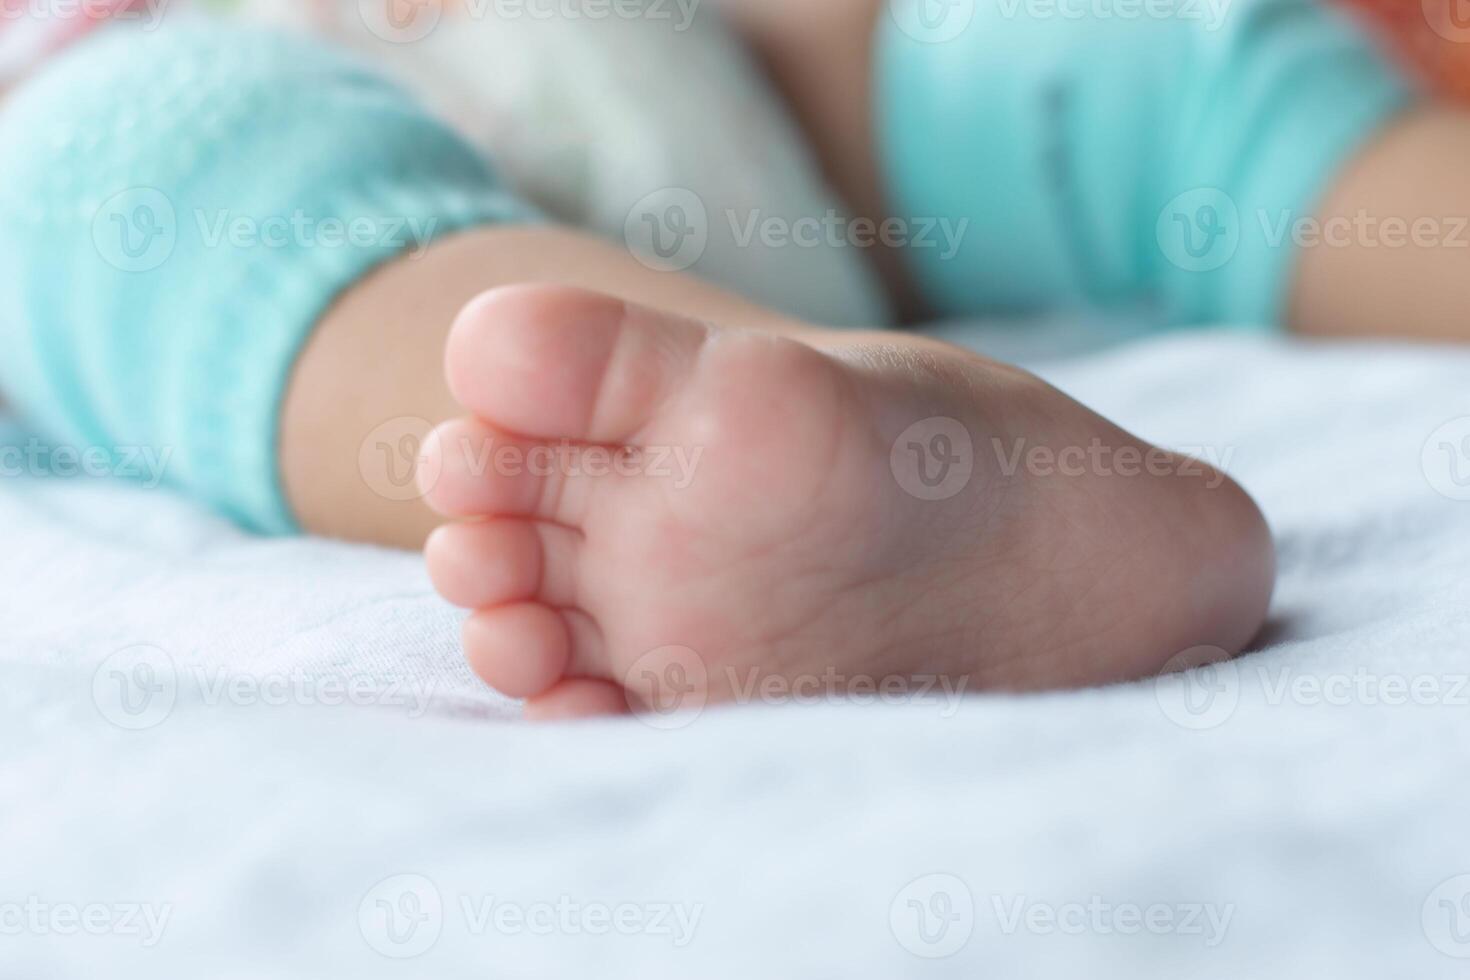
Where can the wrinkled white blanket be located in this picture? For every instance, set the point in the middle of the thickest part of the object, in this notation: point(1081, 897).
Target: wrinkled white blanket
point(295, 776)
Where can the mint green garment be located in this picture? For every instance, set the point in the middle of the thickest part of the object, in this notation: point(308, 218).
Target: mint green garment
point(1120, 154)
point(177, 209)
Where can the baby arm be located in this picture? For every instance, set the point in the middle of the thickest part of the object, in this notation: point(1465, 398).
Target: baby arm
point(1387, 253)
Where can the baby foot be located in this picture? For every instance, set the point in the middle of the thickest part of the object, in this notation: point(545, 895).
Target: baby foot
point(648, 492)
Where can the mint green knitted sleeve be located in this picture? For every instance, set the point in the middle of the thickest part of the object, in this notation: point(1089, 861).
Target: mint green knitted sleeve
point(1121, 155)
point(177, 209)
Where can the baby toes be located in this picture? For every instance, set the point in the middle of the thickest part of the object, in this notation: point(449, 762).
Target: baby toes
point(520, 650)
point(490, 563)
point(578, 698)
point(476, 566)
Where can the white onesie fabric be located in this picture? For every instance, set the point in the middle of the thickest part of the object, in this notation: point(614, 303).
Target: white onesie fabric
point(654, 130)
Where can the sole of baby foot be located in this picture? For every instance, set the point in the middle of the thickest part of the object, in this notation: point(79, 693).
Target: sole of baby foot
point(646, 504)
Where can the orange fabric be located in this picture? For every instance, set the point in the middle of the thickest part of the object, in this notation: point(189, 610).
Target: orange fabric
point(1431, 36)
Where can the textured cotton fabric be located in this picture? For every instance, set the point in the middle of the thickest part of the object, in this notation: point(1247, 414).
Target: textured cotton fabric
point(177, 209)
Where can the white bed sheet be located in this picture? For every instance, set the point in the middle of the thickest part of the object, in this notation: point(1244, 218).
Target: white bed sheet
point(1276, 833)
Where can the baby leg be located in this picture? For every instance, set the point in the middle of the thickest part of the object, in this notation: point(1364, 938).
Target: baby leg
point(650, 474)
point(370, 383)
point(177, 209)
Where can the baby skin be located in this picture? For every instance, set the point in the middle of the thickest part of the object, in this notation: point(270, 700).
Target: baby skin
point(843, 508)
point(800, 546)
point(804, 544)
point(799, 541)
point(850, 507)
